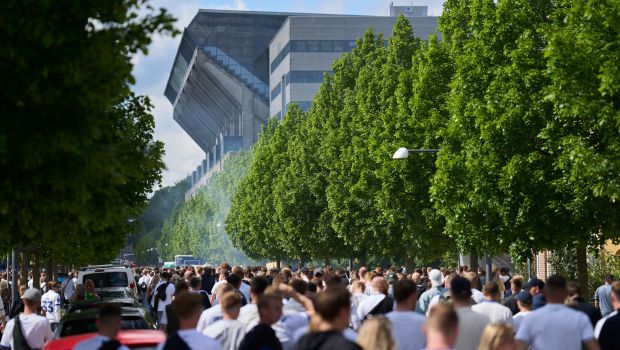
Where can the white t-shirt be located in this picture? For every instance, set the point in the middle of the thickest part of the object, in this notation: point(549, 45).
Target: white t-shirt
point(209, 317)
point(601, 322)
point(50, 303)
point(229, 333)
point(496, 312)
point(214, 291)
point(95, 343)
point(161, 306)
point(69, 287)
point(471, 326)
point(36, 330)
point(407, 329)
point(518, 318)
point(245, 290)
point(196, 341)
point(477, 295)
point(286, 327)
point(249, 316)
point(367, 304)
point(555, 326)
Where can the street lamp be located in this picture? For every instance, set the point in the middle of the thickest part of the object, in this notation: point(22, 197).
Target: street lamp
point(403, 153)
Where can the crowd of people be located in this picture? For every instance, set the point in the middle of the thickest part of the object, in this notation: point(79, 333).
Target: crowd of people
point(328, 308)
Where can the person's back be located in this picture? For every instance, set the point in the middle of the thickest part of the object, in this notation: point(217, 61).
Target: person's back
point(262, 336)
point(407, 325)
point(602, 296)
point(108, 325)
point(555, 325)
point(470, 324)
point(28, 326)
point(490, 306)
point(607, 330)
point(228, 331)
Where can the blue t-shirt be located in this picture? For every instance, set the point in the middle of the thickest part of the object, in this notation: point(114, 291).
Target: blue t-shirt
point(603, 295)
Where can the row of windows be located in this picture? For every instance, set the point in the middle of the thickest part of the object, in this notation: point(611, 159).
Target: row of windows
point(304, 105)
point(276, 91)
point(312, 46)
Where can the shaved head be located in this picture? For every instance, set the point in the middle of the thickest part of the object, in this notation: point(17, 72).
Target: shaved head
point(380, 285)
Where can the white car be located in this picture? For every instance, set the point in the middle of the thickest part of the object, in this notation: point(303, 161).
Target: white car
point(108, 277)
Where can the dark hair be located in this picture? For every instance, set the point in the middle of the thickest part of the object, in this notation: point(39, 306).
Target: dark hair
point(573, 288)
point(331, 301)
point(403, 289)
point(194, 282)
point(258, 285)
point(234, 280)
point(331, 280)
point(460, 289)
point(181, 286)
point(110, 310)
point(300, 286)
point(490, 288)
point(311, 287)
point(555, 284)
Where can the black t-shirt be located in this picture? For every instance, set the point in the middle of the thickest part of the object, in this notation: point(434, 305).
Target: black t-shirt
point(325, 341)
point(261, 337)
point(610, 334)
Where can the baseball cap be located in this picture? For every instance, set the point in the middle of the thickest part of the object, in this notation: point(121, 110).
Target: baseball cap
point(32, 294)
point(535, 282)
point(391, 278)
point(436, 277)
point(524, 297)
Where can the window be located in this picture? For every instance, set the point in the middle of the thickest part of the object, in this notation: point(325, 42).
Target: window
point(276, 91)
point(312, 46)
point(307, 76)
point(108, 279)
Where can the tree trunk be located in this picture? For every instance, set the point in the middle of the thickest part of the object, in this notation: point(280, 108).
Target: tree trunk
point(328, 262)
point(23, 268)
point(36, 270)
point(278, 263)
point(409, 265)
point(49, 269)
point(473, 262)
point(582, 270)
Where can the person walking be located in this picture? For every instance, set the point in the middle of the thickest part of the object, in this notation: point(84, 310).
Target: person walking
point(471, 324)
point(262, 336)
point(407, 325)
point(602, 296)
point(491, 307)
point(436, 279)
point(607, 330)
point(28, 329)
point(228, 331)
point(555, 325)
point(108, 325)
point(50, 304)
point(442, 327)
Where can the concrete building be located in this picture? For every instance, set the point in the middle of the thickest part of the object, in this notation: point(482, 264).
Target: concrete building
point(305, 48)
point(234, 69)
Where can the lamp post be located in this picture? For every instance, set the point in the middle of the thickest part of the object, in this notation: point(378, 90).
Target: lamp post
point(403, 153)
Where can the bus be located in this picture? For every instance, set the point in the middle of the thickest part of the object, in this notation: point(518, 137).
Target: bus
point(186, 260)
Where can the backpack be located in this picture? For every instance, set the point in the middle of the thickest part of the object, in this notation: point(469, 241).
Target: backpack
point(19, 338)
point(161, 291)
point(386, 305)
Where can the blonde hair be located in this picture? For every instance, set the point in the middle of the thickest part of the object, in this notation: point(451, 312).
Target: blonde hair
point(376, 334)
point(496, 335)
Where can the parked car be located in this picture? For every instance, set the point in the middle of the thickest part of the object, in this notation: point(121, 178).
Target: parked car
point(108, 277)
point(82, 319)
point(133, 339)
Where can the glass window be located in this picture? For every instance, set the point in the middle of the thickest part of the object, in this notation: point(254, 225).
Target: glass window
point(108, 279)
point(313, 46)
point(276, 91)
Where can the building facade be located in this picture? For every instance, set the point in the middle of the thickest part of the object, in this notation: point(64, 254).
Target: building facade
point(235, 69)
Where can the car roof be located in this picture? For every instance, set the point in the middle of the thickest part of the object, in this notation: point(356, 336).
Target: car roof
point(88, 313)
point(138, 337)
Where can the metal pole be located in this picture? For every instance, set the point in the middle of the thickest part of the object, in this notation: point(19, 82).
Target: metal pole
point(424, 150)
point(489, 268)
point(14, 287)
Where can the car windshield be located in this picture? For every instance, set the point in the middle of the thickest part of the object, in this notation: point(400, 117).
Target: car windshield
point(114, 294)
point(107, 279)
point(82, 326)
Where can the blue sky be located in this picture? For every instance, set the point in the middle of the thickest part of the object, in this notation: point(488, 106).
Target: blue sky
point(151, 71)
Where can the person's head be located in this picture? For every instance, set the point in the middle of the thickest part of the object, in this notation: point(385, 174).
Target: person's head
point(32, 300)
point(312, 290)
point(358, 287)
point(109, 320)
point(234, 280)
point(89, 286)
point(187, 275)
point(231, 305)
point(257, 287)
point(376, 333)
point(524, 301)
point(299, 285)
point(22, 289)
point(516, 283)
point(188, 307)
point(436, 278)
point(441, 327)
point(472, 277)
point(223, 289)
point(497, 337)
point(380, 285)
point(181, 287)
point(573, 289)
point(555, 289)
point(270, 306)
point(165, 276)
point(334, 307)
point(416, 277)
point(460, 291)
point(535, 286)
point(405, 293)
point(194, 283)
point(609, 279)
point(491, 291)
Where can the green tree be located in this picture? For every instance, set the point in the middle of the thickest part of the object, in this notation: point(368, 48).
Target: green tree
point(77, 156)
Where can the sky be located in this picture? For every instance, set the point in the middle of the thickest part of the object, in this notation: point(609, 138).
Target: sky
point(151, 70)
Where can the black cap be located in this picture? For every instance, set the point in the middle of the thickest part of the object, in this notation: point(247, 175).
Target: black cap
point(524, 297)
point(535, 282)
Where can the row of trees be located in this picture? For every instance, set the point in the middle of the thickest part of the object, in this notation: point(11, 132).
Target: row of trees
point(77, 154)
point(521, 96)
point(197, 226)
